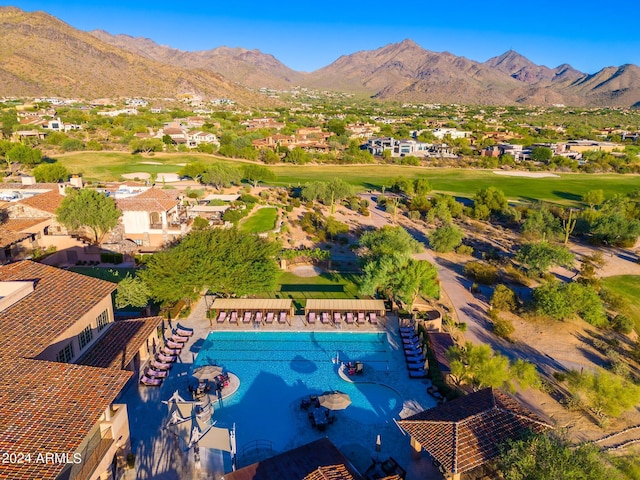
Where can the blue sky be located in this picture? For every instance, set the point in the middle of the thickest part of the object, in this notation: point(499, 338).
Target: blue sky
point(309, 35)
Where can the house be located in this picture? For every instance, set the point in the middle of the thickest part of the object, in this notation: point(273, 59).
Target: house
point(454, 133)
point(378, 145)
point(151, 218)
point(63, 363)
point(361, 130)
point(178, 135)
point(466, 433)
point(196, 138)
point(257, 123)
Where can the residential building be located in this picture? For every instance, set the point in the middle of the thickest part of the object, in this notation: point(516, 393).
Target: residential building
point(454, 133)
point(257, 123)
point(63, 364)
point(196, 138)
point(362, 130)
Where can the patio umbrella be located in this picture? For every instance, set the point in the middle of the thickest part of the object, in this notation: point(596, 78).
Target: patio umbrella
point(335, 400)
point(208, 372)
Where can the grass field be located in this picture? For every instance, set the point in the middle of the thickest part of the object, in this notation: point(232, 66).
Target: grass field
point(326, 285)
point(262, 220)
point(568, 188)
point(627, 286)
point(112, 274)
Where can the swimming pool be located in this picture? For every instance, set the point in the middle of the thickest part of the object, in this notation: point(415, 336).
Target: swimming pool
point(277, 369)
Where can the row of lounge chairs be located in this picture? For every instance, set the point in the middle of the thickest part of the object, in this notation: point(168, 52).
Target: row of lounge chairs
point(339, 318)
point(158, 368)
point(249, 317)
point(413, 353)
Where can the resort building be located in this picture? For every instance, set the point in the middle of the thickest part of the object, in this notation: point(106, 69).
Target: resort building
point(63, 365)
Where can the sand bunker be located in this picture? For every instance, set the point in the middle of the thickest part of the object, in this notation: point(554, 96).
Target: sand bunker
point(168, 177)
point(140, 175)
point(150, 163)
point(525, 174)
point(306, 271)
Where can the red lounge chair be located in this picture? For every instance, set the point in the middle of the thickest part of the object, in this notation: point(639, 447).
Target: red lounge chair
point(269, 318)
point(312, 318)
point(247, 317)
point(166, 358)
point(150, 382)
point(174, 345)
point(160, 365)
point(283, 317)
point(150, 372)
point(222, 317)
point(167, 350)
point(349, 319)
point(183, 331)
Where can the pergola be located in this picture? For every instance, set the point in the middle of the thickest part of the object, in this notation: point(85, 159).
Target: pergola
point(341, 305)
point(254, 305)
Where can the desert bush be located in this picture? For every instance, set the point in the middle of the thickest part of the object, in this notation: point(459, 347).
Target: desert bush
point(481, 272)
point(504, 299)
point(464, 250)
point(503, 327)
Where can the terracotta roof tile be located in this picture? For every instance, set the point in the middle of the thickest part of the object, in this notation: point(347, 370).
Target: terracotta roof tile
point(47, 202)
point(58, 300)
point(330, 472)
point(117, 347)
point(466, 432)
point(152, 200)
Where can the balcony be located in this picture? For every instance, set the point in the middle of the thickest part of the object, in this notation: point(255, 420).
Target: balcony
point(92, 454)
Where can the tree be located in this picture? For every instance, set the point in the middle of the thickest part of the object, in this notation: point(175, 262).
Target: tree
point(192, 170)
point(24, 154)
point(549, 457)
point(539, 257)
point(9, 120)
point(488, 201)
point(593, 198)
point(563, 300)
point(541, 224)
point(132, 291)
point(541, 154)
point(221, 175)
point(255, 174)
point(145, 145)
point(616, 229)
point(336, 126)
point(605, 393)
point(87, 208)
point(446, 238)
point(50, 173)
point(337, 189)
point(417, 277)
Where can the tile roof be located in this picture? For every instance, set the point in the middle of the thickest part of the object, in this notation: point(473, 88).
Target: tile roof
point(117, 347)
point(58, 300)
point(303, 463)
point(152, 200)
point(466, 432)
point(13, 230)
point(47, 202)
point(49, 407)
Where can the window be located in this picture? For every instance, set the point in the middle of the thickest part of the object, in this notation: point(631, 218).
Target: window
point(85, 337)
point(102, 320)
point(66, 354)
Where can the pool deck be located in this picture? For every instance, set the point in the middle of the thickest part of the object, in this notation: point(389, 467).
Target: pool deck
point(158, 455)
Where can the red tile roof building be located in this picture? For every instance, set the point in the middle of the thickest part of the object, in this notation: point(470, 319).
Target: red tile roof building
point(466, 432)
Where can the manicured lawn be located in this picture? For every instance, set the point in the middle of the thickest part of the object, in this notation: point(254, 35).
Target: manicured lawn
point(111, 274)
point(326, 285)
point(627, 286)
point(567, 188)
point(262, 220)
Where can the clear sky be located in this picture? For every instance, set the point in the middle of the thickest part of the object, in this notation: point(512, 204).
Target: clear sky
point(309, 35)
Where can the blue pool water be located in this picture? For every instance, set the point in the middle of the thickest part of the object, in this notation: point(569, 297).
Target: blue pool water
point(277, 369)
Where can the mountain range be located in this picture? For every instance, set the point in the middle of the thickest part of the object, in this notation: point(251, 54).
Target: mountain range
point(40, 54)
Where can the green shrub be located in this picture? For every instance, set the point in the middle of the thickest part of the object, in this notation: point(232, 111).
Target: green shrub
point(481, 272)
point(465, 250)
point(622, 324)
point(503, 327)
point(504, 299)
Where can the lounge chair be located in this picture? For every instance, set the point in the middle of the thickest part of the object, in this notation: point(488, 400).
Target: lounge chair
point(178, 338)
point(418, 357)
point(150, 372)
point(359, 370)
point(258, 317)
point(269, 318)
point(183, 331)
point(415, 365)
point(407, 330)
point(158, 365)
point(413, 351)
point(283, 317)
point(312, 318)
point(222, 317)
point(337, 318)
point(349, 318)
point(247, 317)
point(234, 317)
point(150, 382)
point(360, 318)
point(174, 345)
point(373, 319)
point(412, 343)
point(324, 317)
point(417, 373)
point(166, 350)
point(410, 334)
point(412, 339)
point(166, 358)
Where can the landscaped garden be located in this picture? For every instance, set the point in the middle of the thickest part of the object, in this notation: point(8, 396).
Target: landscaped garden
point(627, 287)
point(262, 220)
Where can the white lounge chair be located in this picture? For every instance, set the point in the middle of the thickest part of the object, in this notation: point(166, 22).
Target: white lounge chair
point(360, 318)
point(234, 317)
point(373, 319)
point(337, 318)
point(258, 317)
point(269, 318)
point(312, 318)
point(247, 317)
point(283, 317)
point(349, 319)
point(222, 317)
point(324, 318)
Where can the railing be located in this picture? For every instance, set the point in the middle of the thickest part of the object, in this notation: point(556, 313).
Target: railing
point(92, 455)
point(155, 226)
point(256, 446)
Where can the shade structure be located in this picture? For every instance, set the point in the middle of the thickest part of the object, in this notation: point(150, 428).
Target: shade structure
point(335, 400)
point(217, 438)
point(208, 372)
